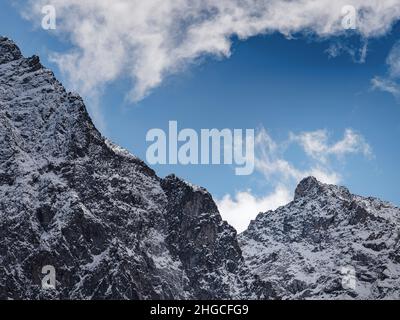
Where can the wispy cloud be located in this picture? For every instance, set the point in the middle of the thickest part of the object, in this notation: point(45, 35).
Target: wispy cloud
point(283, 175)
point(317, 146)
point(356, 51)
point(393, 61)
point(148, 40)
point(391, 82)
point(386, 85)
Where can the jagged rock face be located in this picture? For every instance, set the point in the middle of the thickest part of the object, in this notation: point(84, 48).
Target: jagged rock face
point(206, 245)
point(304, 247)
point(99, 215)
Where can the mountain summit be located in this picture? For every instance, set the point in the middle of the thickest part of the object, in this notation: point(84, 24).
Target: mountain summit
point(113, 229)
point(313, 246)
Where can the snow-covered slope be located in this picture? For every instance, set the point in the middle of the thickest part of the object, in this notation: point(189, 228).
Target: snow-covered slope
point(104, 220)
point(309, 247)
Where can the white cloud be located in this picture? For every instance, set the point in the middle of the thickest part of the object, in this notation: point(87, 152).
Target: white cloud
point(352, 143)
point(357, 52)
point(244, 207)
point(148, 40)
point(283, 175)
point(316, 145)
point(386, 85)
point(393, 61)
point(391, 82)
point(270, 160)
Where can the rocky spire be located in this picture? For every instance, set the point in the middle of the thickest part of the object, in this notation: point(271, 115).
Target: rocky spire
point(307, 186)
point(8, 51)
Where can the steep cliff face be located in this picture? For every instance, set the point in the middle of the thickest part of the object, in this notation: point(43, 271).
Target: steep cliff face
point(312, 247)
point(206, 245)
point(104, 220)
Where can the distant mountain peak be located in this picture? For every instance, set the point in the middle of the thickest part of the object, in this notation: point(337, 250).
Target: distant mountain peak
point(308, 245)
point(310, 188)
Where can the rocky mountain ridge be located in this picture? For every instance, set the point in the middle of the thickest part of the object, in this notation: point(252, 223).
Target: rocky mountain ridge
point(113, 229)
point(307, 247)
point(71, 199)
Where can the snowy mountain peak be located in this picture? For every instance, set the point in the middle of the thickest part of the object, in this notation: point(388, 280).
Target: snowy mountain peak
point(311, 188)
point(306, 186)
point(8, 51)
point(110, 227)
point(173, 179)
point(308, 246)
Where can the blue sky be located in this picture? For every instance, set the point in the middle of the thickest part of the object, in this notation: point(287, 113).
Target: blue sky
point(276, 85)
